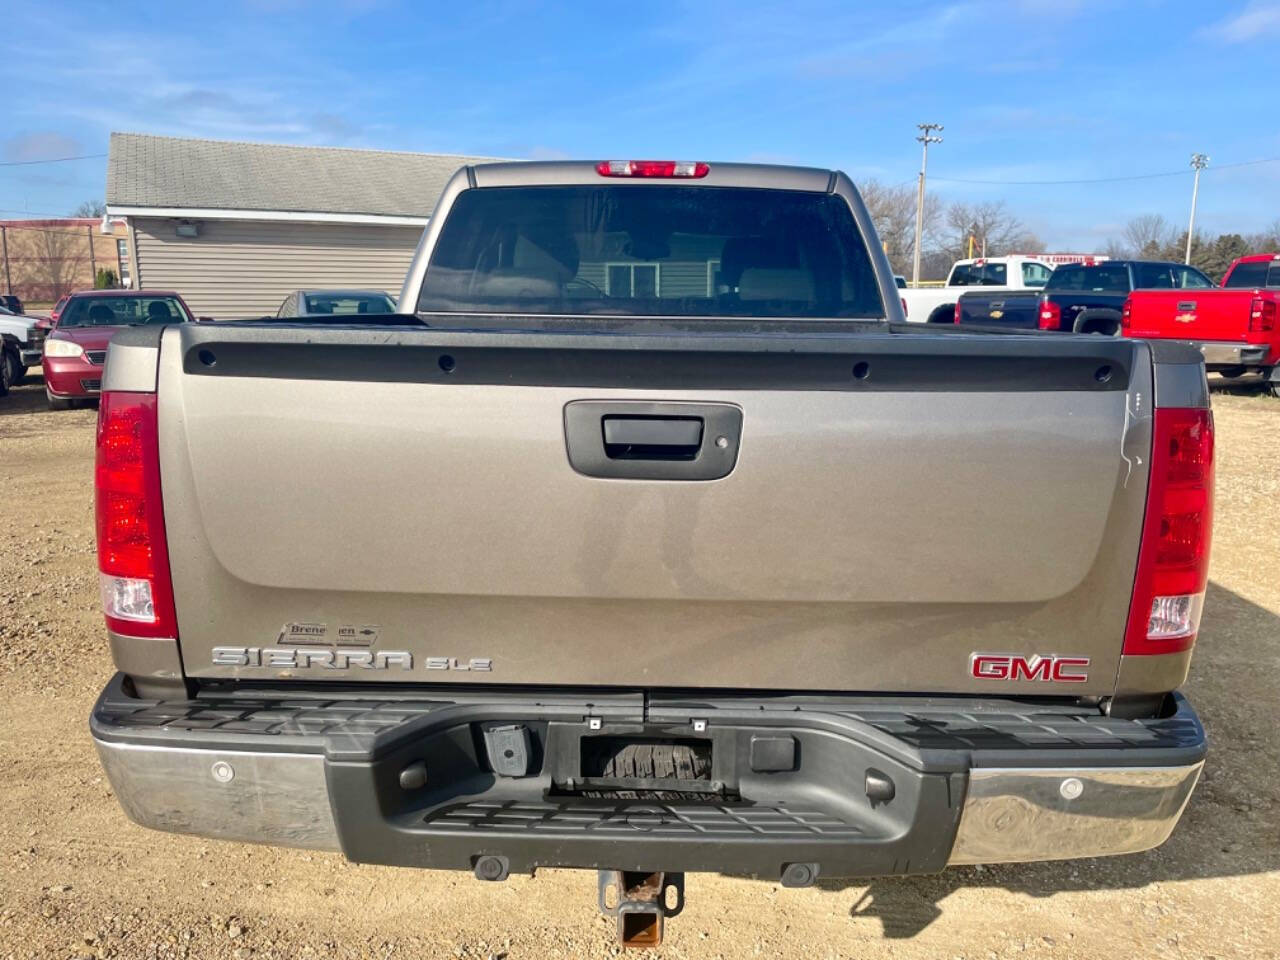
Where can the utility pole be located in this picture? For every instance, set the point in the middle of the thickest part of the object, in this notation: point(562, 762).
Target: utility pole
point(926, 137)
point(8, 280)
point(1199, 161)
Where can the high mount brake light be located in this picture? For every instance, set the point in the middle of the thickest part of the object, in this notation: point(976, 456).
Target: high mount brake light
point(133, 558)
point(661, 169)
point(1049, 317)
point(1173, 560)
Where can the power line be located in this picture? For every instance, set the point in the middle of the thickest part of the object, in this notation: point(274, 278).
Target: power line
point(28, 163)
point(1137, 176)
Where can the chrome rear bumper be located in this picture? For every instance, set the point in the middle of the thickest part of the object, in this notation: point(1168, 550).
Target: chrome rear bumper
point(968, 782)
point(1232, 354)
point(1020, 815)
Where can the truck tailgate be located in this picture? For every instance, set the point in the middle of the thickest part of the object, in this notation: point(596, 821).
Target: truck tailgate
point(383, 505)
point(1215, 315)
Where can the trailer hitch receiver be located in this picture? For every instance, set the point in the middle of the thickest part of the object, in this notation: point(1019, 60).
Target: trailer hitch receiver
point(641, 901)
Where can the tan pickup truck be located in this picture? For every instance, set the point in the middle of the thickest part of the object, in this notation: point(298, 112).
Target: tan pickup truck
point(646, 538)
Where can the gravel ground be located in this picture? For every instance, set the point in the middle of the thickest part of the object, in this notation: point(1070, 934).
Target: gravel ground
point(77, 879)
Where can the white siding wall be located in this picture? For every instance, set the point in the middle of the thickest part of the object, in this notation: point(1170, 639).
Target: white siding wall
point(245, 268)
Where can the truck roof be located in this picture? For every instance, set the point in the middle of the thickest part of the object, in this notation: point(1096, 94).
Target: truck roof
point(1257, 258)
point(554, 172)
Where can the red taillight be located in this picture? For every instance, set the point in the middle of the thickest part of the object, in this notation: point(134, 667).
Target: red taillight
point(1173, 561)
point(903, 301)
point(1050, 316)
point(1126, 314)
point(958, 314)
point(133, 559)
point(1262, 315)
point(652, 168)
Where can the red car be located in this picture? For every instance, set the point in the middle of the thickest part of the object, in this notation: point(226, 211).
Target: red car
point(76, 348)
point(1236, 327)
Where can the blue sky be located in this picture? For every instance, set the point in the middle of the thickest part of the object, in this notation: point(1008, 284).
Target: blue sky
point(1028, 90)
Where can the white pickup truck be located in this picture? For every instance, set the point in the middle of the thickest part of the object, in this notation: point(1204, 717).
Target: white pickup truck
point(938, 304)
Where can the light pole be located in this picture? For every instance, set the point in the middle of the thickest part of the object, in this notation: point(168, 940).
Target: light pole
point(926, 137)
point(1199, 161)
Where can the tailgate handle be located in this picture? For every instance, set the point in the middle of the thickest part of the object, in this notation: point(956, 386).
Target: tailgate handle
point(652, 438)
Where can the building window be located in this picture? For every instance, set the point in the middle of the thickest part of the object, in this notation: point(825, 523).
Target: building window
point(636, 280)
point(122, 261)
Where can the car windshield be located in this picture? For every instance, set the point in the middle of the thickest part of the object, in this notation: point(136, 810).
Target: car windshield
point(121, 311)
point(651, 250)
point(326, 304)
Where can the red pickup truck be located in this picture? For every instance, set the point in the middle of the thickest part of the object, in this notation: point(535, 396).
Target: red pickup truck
point(1236, 327)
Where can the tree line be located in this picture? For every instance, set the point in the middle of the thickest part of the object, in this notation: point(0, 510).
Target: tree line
point(996, 231)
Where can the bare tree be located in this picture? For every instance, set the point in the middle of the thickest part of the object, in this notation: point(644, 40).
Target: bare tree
point(994, 229)
point(893, 210)
point(1116, 249)
point(1265, 241)
point(90, 208)
point(1148, 235)
point(59, 255)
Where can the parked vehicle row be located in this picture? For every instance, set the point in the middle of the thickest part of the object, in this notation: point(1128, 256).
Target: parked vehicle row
point(1234, 326)
point(71, 343)
point(1079, 298)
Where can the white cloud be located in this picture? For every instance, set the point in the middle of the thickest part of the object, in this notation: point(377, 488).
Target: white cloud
point(41, 145)
point(1258, 19)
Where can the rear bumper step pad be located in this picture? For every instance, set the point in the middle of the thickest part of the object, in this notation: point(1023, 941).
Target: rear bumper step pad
point(878, 786)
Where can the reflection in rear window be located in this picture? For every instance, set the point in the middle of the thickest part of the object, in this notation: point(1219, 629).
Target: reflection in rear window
point(651, 250)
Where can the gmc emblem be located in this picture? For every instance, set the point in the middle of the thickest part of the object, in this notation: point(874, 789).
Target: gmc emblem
point(1015, 666)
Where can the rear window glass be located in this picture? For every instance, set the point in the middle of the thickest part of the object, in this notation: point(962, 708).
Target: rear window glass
point(979, 275)
point(1111, 277)
point(121, 311)
point(1260, 273)
point(337, 304)
point(651, 251)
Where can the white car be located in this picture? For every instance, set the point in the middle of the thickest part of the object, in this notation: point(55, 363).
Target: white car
point(938, 304)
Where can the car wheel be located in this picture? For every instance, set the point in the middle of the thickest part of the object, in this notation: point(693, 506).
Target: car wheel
point(1273, 388)
point(6, 373)
point(57, 404)
point(16, 370)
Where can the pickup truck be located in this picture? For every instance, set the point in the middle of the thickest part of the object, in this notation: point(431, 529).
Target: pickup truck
point(937, 304)
point(1236, 327)
point(21, 342)
point(619, 547)
point(1261, 270)
point(1079, 298)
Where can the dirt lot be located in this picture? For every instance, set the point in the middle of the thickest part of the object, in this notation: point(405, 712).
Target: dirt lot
point(77, 879)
